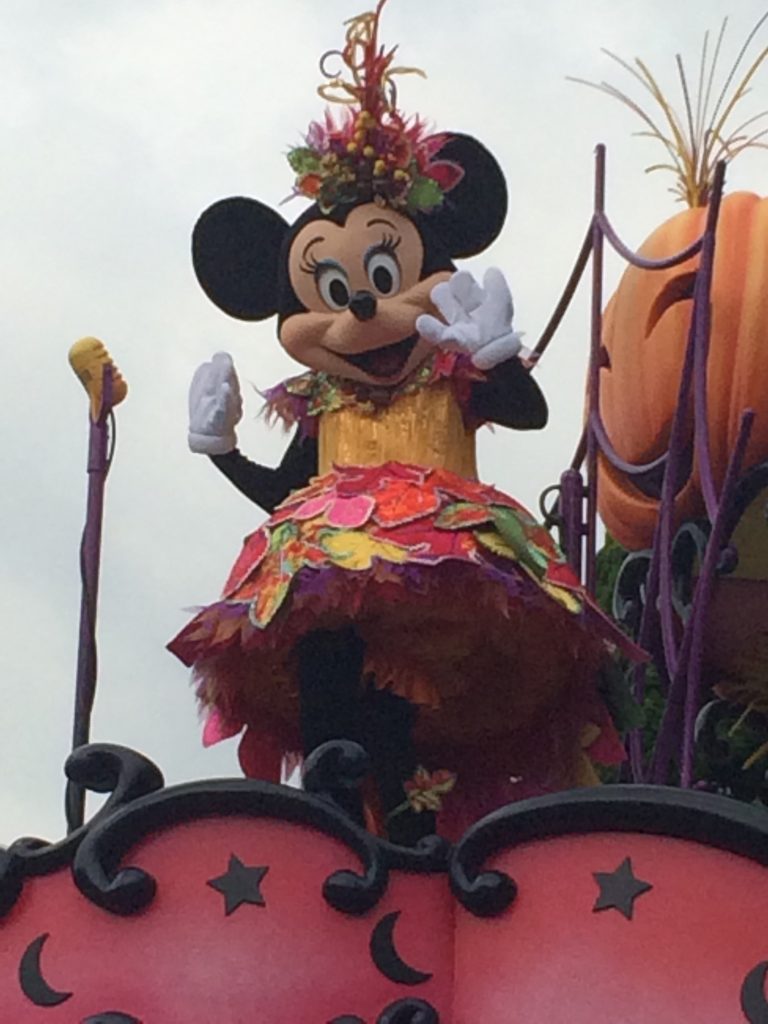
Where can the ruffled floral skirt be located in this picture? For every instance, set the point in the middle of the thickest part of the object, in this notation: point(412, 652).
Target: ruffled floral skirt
point(466, 606)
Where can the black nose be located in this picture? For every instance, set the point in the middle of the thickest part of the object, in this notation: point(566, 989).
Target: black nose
point(363, 305)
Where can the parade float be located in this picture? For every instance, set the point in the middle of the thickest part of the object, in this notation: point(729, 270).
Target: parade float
point(486, 829)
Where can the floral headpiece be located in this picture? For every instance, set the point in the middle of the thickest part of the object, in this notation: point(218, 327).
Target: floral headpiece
point(371, 150)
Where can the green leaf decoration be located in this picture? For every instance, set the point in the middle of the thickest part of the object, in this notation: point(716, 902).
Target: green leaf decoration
point(424, 194)
point(462, 515)
point(284, 533)
point(304, 160)
point(513, 532)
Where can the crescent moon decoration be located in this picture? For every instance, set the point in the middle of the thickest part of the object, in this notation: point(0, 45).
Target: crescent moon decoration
point(111, 1017)
point(33, 984)
point(753, 998)
point(386, 957)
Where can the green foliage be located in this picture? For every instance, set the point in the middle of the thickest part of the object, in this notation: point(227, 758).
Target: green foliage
point(304, 160)
point(652, 709)
point(609, 560)
point(732, 745)
point(424, 194)
point(732, 755)
point(616, 684)
point(615, 690)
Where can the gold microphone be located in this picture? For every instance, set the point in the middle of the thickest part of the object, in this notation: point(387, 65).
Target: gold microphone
point(88, 358)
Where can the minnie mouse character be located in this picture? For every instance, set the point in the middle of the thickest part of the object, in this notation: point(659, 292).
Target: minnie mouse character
point(390, 598)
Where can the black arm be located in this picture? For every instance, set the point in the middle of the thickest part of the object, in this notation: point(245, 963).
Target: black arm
point(268, 487)
point(510, 397)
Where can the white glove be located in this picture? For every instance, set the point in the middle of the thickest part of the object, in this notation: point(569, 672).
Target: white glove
point(215, 406)
point(478, 320)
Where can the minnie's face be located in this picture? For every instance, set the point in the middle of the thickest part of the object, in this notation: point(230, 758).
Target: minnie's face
point(361, 286)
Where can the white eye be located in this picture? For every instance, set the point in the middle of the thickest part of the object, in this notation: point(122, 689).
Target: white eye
point(383, 273)
point(333, 285)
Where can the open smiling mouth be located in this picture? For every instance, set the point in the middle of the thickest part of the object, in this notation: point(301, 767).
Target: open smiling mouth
point(384, 362)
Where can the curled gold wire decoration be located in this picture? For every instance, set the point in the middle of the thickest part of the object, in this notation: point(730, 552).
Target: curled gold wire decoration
point(371, 85)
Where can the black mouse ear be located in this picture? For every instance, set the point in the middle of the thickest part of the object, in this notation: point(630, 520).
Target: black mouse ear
point(472, 213)
point(236, 255)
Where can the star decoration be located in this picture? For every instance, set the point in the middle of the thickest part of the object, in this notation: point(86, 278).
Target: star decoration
point(619, 889)
point(239, 885)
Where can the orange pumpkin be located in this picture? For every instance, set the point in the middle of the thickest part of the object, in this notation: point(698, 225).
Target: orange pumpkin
point(645, 326)
point(645, 331)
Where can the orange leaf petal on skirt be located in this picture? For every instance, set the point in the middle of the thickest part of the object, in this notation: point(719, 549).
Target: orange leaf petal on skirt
point(402, 502)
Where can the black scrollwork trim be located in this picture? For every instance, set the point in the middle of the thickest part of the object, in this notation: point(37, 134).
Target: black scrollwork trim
point(404, 1011)
point(100, 768)
point(409, 1011)
point(689, 546)
point(629, 590)
point(335, 768)
point(338, 768)
point(130, 889)
point(655, 810)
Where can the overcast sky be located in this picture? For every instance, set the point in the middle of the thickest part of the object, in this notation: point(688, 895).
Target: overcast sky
point(120, 121)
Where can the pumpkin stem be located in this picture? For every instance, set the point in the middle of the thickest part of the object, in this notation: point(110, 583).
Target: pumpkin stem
point(698, 140)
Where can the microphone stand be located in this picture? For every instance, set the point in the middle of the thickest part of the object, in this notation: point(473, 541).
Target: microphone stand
point(90, 555)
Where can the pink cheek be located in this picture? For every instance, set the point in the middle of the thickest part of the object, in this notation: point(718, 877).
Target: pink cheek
point(304, 342)
point(290, 343)
point(300, 338)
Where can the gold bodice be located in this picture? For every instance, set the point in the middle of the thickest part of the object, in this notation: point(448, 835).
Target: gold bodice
point(425, 428)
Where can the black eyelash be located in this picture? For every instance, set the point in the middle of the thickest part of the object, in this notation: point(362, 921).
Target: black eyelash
point(309, 266)
point(389, 244)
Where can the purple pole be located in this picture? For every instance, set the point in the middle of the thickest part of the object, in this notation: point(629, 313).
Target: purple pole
point(698, 622)
point(571, 505)
point(594, 366)
point(90, 556)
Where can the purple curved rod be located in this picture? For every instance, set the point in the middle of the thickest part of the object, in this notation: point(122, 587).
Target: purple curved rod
point(630, 468)
point(595, 362)
point(571, 502)
point(645, 636)
point(661, 567)
point(682, 660)
point(636, 748)
point(658, 602)
point(702, 315)
point(672, 483)
point(568, 293)
point(678, 656)
point(668, 733)
point(698, 621)
point(641, 261)
point(87, 669)
point(684, 664)
point(581, 450)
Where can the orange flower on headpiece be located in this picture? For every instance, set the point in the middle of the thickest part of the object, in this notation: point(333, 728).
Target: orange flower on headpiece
point(371, 151)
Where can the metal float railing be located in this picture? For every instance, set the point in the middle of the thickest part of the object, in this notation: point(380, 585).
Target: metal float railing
point(675, 642)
